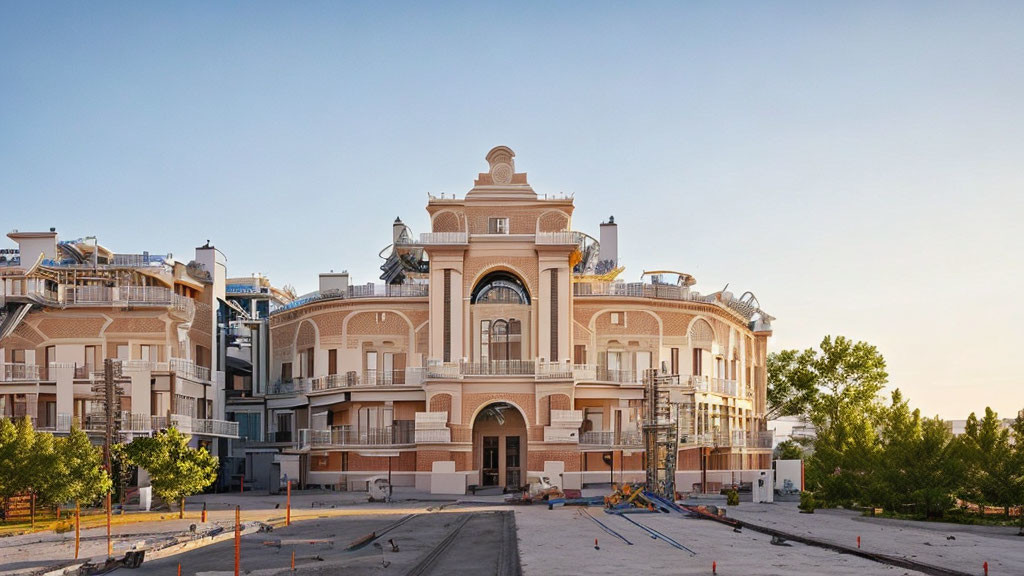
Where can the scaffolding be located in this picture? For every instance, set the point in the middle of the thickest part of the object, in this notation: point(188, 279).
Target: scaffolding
point(660, 433)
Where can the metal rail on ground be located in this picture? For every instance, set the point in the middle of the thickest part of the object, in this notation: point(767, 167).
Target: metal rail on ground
point(605, 527)
point(655, 534)
point(362, 542)
point(424, 564)
point(899, 562)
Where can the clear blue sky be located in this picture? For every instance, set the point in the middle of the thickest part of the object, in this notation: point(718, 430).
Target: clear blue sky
point(858, 166)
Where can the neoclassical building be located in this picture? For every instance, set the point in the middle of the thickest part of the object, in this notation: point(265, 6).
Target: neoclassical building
point(504, 346)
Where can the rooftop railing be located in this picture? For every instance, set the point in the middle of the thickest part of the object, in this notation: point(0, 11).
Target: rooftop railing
point(128, 296)
point(361, 291)
point(638, 290)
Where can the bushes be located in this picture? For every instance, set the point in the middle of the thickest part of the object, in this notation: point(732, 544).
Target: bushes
point(732, 498)
point(807, 502)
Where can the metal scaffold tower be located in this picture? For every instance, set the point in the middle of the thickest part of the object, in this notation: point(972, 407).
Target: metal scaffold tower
point(661, 433)
point(106, 399)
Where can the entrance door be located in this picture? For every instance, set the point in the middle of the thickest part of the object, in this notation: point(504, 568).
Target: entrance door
point(512, 475)
point(489, 469)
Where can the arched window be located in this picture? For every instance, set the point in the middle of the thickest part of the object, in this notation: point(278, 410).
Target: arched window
point(500, 288)
point(499, 341)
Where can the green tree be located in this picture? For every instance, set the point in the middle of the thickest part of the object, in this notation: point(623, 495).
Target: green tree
point(916, 468)
point(17, 440)
point(837, 386)
point(175, 470)
point(1018, 466)
point(792, 383)
point(40, 475)
point(990, 470)
point(77, 473)
point(789, 450)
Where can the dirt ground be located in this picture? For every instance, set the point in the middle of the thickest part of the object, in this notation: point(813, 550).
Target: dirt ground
point(559, 541)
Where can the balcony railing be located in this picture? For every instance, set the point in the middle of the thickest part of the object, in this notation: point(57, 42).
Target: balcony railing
point(297, 386)
point(760, 439)
point(407, 377)
point(211, 427)
point(399, 434)
point(493, 368)
point(554, 370)
point(591, 372)
point(720, 386)
point(556, 238)
point(567, 418)
point(608, 438)
point(433, 436)
point(19, 372)
point(428, 238)
point(189, 369)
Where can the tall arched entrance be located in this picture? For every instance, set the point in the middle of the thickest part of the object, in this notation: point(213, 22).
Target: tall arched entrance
point(499, 446)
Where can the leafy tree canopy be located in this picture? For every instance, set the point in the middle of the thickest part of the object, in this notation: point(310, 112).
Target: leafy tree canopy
point(175, 469)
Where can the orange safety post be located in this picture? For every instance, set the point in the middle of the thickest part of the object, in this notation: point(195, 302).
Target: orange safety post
point(110, 543)
point(985, 566)
point(288, 506)
point(714, 567)
point(204, 511)
point(238, 535)
point(858, 541)
point(78, 525)
point(179, 568)
point(293, 560)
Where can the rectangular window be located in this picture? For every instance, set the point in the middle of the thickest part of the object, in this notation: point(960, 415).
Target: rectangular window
point(698, 362)
point(617, 318)
point(579, 354)
point(332, 361)
point(447, 316)
point(145, 353)
point(309, 363)
point(554, 316)
point(593, 419)
point(485, 340)
point(370, 373)
point(615, 360)
point(497, 225)
point(286, 372)
point(91, 355)
point(675, 361)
